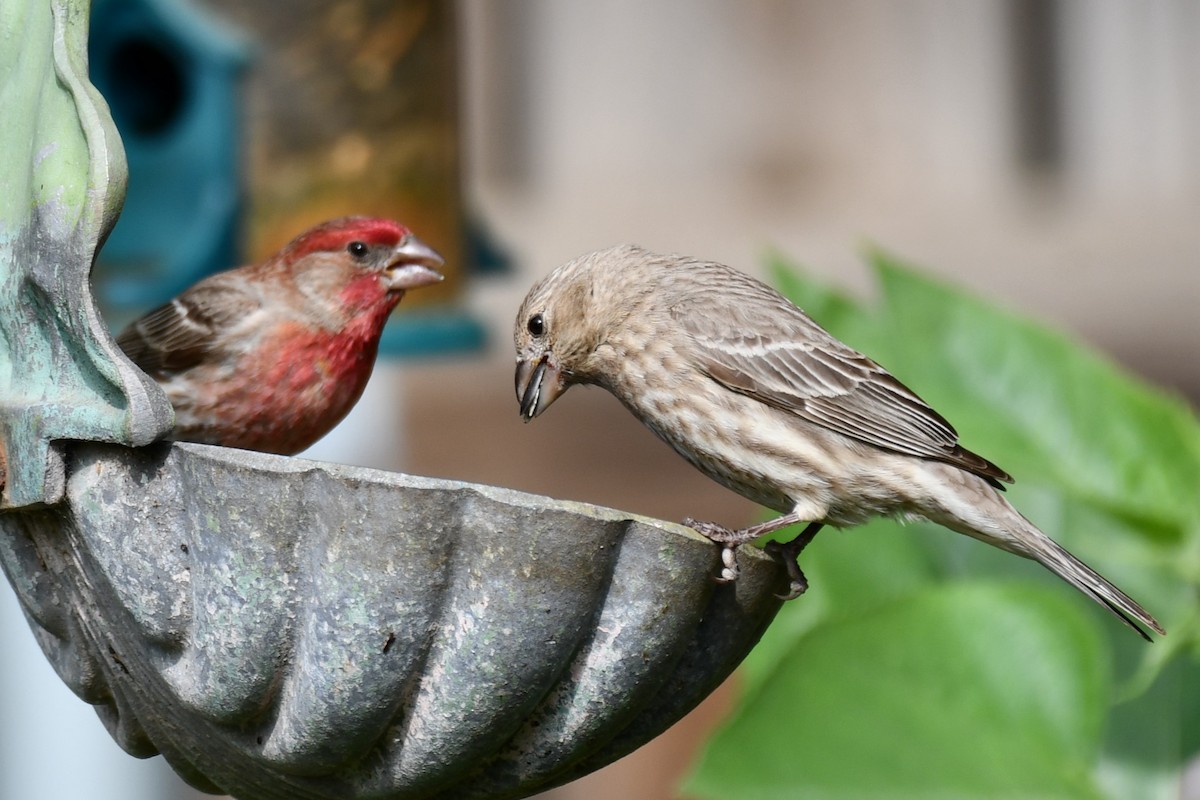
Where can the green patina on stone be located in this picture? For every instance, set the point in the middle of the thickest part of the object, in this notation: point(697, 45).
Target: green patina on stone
point(62, 181)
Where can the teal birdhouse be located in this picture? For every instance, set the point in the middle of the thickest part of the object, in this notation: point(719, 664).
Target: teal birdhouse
point(170, 73)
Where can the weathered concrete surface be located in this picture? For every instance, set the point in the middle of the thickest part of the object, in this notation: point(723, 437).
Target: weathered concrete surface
point(279, 628)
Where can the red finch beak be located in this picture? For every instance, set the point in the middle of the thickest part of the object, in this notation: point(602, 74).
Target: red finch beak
point(539, 383)
point(414, 264)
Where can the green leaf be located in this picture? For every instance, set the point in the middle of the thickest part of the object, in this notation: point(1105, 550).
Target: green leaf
point(1147, 741)
point(849, 572)
point(1024, 393)
point(956, 691)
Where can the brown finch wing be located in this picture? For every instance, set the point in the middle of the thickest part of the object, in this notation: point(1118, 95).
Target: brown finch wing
point(782, 358)
point(178, 335)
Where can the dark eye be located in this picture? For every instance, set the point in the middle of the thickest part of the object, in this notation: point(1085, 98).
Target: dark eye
point(537, 325)
point(357, 249)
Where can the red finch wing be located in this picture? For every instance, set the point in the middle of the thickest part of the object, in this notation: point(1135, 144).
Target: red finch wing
point(179, 334)
point(765, 348)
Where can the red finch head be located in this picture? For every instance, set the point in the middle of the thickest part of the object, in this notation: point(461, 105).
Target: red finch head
point(271, 356)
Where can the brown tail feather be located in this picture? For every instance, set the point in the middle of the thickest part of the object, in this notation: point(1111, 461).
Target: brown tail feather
point(1093, 584)
point(984, 514)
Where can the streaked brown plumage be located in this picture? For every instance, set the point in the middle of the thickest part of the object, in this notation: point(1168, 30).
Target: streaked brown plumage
point(750, 390)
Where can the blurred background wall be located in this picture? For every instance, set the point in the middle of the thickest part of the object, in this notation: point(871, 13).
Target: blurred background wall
point(1044, 153)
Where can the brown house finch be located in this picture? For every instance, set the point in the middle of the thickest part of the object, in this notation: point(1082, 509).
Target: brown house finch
point(760, 398)
point(271, 356)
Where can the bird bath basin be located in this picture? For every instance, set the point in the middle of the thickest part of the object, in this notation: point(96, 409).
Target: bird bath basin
point(280, 628)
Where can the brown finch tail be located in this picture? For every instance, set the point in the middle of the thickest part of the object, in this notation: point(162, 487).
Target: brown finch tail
point(992, 519)
point(1066, 566)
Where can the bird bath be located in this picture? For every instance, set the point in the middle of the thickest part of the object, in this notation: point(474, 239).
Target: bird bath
point(281, 628)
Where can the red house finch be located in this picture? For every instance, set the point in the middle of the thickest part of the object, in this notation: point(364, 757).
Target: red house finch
point(760, 398)
point(271, 356)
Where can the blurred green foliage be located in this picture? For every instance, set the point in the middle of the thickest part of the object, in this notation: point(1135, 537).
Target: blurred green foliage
point(923, 664)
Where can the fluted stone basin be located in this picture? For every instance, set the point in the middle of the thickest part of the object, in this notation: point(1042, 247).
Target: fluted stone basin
point(281, 628)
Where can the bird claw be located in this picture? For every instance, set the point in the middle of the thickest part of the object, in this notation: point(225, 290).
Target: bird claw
point(723, 536)
point(794, 591)
point(797, 584)
point(729, 568)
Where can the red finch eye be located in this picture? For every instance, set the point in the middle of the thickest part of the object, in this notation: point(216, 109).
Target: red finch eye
point(537, 326)
point(357, 249)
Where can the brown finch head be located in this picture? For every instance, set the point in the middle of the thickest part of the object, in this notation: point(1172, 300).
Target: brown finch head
point(359, 261)
point(566, 319)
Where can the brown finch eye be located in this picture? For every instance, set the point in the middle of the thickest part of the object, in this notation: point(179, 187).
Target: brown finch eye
point(357, 249)
point(537, 326)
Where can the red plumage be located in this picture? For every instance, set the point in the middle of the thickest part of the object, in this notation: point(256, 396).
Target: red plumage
point(271, 356)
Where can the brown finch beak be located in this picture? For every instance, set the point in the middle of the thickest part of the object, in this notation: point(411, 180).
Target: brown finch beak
point(539, 383)
point(414, 264)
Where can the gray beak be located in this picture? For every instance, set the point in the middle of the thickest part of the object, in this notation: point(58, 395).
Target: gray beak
point(539, 383)
point(414, 264)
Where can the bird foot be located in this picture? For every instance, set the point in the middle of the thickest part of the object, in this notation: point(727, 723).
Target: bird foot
point(785, 553)
point(798, 584)
point(728, 539)
point(729, 566)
